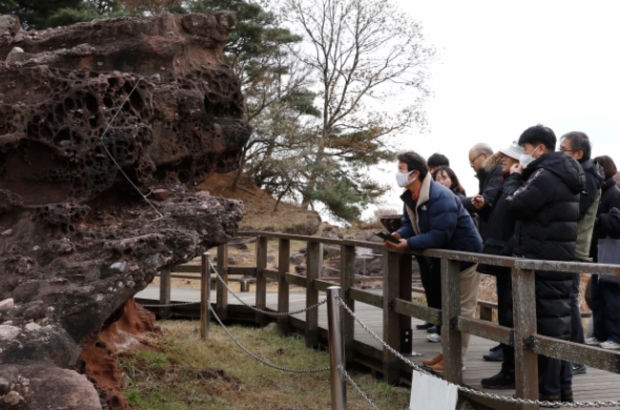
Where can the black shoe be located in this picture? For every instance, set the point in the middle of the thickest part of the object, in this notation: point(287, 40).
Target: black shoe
point(567, 395)
point(496, 348)
point(433, 329)
point(579, 369)
point(494, 356)
point(424, 325)
point(500, 381)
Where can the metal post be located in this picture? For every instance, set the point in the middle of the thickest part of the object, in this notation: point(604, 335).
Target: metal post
point(205, 293)
point(336, 349)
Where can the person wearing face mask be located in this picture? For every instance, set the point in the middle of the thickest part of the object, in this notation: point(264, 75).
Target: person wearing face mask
point(577, 145)
point(434, 218)
point(501, 225)
point(542, 193)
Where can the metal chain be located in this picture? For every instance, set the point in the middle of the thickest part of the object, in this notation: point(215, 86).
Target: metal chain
point(266, 363)
point(469, 390)
point(265, 312)
point(359, 390)
point(171, 304)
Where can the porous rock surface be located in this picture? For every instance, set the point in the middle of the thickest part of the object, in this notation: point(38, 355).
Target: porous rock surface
point(77, 237)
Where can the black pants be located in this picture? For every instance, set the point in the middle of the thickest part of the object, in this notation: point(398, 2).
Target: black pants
point(430, 273)
point(504, 317)
point(554, 376)
point(606, 309)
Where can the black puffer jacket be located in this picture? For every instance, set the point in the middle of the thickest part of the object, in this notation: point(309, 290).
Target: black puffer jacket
point(489, 184)
point(610, 198)
point(545, 201)
point(501, 226)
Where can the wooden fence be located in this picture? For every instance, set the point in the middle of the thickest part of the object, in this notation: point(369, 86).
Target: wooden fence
point(398, 308)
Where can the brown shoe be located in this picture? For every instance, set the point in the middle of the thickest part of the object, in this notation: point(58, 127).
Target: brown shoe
point(438, 367)
point(433, 361)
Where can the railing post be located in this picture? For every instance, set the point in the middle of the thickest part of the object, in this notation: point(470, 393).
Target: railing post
point(222, 270)
point(164, 291)
point(261, 279)
point(336, 349)
point(451, 339)
point(314, 265)
point(205, 297)
point(391, 319)
point(347, 281)
point(524, 310)
point(284, 256)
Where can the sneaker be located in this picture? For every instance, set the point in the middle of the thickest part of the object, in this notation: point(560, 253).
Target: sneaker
point(494, 356)
point(610, 344)
point(500, 381)
point(424, 326)
point(592, 341)
point(433, 361)
point(579, 369)
point(433, 338)
point(432, 329)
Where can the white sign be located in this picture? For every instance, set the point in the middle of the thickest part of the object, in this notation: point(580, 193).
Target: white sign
point(432, 393)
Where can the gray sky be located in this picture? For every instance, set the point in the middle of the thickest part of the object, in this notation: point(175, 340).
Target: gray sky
point(503, 67)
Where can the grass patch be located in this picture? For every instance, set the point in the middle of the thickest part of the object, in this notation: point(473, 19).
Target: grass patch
point(184, 372)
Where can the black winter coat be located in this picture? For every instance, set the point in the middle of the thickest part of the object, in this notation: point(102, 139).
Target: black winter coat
point(545, 201)
point(489, 184)
point(594, 180)
point(610, 198)
point(501, 226)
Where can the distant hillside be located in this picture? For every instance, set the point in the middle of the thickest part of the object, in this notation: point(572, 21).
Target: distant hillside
point(259, 213)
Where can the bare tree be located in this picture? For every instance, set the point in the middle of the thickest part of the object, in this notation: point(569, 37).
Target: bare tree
point(364, 54)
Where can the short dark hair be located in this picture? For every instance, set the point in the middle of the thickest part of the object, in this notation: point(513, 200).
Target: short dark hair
point(414, 161)
point(579, 141)
point(539, 134)
point(608, 164)
point(438, 160)
point(456, 186)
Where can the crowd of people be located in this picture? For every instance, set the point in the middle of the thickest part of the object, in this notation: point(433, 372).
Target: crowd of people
point(533, 202)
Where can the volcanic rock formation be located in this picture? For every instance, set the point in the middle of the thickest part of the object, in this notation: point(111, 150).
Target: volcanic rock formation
point(104, 128)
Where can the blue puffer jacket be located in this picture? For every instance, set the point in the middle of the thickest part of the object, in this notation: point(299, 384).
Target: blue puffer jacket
point(442, 220)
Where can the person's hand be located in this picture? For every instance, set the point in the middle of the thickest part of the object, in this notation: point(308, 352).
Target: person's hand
point(402, 245)
point(516, 168)
point(478, 202)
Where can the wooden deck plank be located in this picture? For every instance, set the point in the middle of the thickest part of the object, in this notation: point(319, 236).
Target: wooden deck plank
point(594, 385)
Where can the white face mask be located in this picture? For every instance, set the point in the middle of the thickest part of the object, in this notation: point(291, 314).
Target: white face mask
point(527, 159)
point(402, 179)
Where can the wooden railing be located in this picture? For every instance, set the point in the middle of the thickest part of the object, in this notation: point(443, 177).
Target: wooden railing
point(398, 308)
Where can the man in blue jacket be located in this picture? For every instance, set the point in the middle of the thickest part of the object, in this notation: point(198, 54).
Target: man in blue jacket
point(434, 218)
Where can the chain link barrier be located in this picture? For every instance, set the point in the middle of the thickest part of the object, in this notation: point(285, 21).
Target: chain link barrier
point(264, 312)
point(263, 361)
point(474, 392)
point(356, 387)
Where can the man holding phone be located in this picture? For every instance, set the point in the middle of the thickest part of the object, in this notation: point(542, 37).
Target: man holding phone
point(434, 218)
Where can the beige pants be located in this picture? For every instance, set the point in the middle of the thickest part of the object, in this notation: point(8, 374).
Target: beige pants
point(470, 283)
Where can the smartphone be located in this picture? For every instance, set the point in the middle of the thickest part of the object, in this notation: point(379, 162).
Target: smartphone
point(387, 237)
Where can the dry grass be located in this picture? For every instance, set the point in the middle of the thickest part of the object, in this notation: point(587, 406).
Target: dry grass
point(182, 373)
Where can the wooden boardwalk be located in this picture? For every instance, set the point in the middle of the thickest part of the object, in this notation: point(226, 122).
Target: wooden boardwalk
point(595, 385)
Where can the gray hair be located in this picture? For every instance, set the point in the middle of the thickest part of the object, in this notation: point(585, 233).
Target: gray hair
point(483, 148)
point(579, 141)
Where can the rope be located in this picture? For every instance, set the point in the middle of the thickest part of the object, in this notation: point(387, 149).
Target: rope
point(263, 361)
point(356, 387)
point(469, 390)
point(265, 312)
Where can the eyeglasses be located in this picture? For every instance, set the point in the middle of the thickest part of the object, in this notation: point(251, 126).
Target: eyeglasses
point(562, 149)
point(471, 161)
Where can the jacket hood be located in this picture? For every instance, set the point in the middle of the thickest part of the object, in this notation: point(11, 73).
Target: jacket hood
point(591, 167)
point(565, 167)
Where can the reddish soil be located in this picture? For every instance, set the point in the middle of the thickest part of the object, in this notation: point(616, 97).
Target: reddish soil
point(100, 351)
